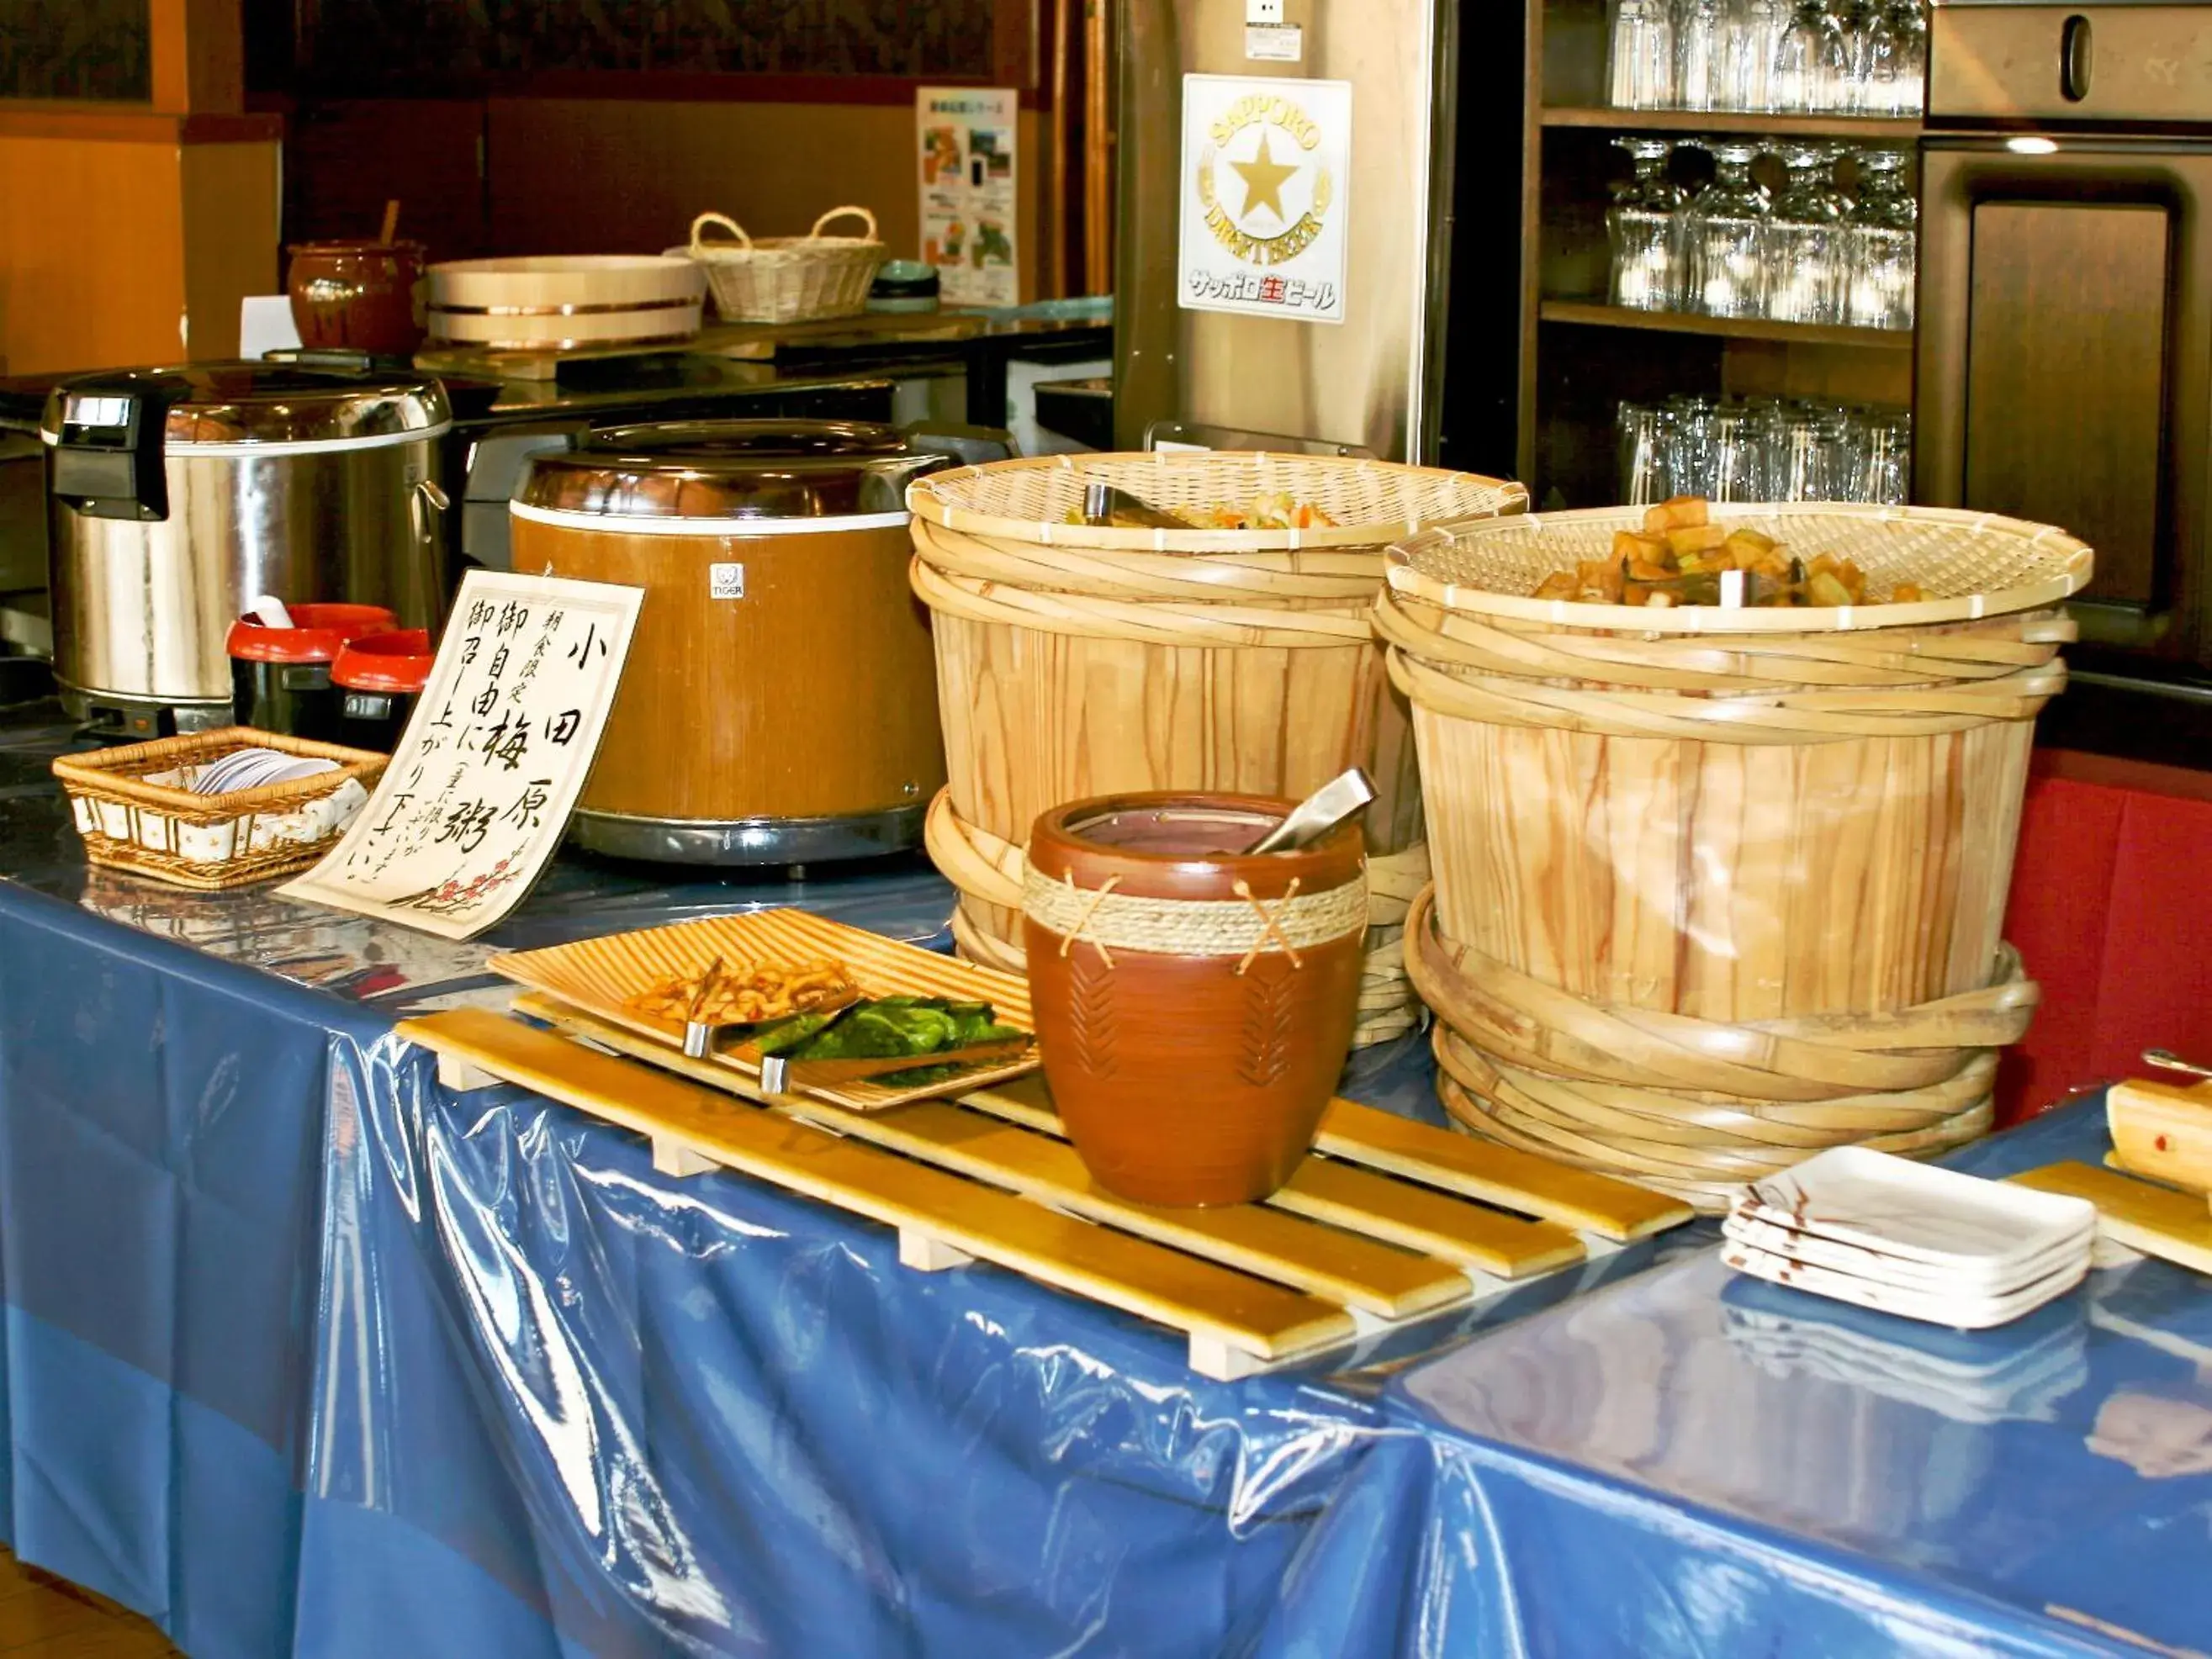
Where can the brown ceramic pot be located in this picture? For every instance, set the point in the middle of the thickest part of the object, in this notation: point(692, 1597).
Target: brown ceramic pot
point(1193, 1007)
point(362, 295)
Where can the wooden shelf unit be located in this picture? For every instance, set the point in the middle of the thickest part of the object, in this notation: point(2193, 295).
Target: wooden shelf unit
point(1597, 315)
point(1869, 129)
point(1580, 357)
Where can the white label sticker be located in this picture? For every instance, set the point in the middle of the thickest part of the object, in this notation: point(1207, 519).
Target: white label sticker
point(726, 581)
point(1275, 43)
point(1266, 167)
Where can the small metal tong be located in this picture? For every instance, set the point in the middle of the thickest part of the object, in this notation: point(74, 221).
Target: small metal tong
point(698, 1034)
point(1342, 796)
point(1103, 504)
point(2166, 1061)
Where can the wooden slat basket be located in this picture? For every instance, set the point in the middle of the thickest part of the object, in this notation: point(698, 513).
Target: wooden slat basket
point(1075, 660)
point(132, 808)
point(1717, 888)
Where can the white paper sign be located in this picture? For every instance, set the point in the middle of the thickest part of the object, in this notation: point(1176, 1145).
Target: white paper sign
point(1266, 172)
point(967, 138)
point(479, 791)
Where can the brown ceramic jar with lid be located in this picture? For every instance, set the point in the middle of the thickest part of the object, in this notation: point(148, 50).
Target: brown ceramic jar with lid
point(365, 296)
point(1193, 1005)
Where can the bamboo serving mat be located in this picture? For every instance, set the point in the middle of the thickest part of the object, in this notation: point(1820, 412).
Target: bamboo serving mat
point(2162, 1221)
point(1393, 1222)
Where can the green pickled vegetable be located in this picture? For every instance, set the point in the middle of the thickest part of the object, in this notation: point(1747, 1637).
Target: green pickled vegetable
point(888, 1028)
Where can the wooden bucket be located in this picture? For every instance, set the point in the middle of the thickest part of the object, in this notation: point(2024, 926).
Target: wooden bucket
point(1077, 660)
point(1717, 888)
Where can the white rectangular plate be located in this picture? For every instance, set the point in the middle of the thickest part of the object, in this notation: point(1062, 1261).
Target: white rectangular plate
point(1976, 1278)
point(1961, 1313)
point(1892, 1204)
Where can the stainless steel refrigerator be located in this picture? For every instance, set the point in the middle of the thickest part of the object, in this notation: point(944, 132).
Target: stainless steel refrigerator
point(1372, 380)
point(2064, 350)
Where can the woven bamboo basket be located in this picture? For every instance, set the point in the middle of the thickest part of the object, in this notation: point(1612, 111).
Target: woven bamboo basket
point(1717, 888)
point(788, 279)
point(132, 808)
point(1077, 660)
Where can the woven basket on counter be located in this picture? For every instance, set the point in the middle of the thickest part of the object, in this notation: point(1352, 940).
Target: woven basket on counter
point(1077, 660)
point(135, 814)
point(788, 279)
point(1717, 888)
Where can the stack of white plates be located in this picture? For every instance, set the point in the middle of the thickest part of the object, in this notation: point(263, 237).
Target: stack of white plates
point(255, 768)
point(1884, 1232)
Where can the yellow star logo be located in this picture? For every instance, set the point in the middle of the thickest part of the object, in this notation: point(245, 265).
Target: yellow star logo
point(1263, 182)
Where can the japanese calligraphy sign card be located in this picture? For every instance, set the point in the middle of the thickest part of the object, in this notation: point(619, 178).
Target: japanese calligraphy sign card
point(479, 792)
point(1266, 179)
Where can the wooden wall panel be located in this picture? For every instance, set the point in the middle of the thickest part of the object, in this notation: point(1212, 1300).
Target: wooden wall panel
point(92, 268)
point(344, 158)
point(600, 175)
point(231, 198)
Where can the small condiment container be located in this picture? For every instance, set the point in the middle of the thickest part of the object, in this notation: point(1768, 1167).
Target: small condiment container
point(280, 677)
point(378, 678)
point(1193, 1005)
point(364, 296)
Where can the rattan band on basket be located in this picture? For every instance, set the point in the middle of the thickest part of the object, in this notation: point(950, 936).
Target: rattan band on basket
point(1696, 1107)
point(1244, 926)
point(995, 872)
point(1153, 622)
point(1368, 503)
point(1443, 673)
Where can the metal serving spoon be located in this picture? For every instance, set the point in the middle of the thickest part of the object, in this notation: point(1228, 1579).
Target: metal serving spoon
point(1345, 796)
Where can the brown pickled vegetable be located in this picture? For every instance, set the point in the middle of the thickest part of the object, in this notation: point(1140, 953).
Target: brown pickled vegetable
point(1680, 555)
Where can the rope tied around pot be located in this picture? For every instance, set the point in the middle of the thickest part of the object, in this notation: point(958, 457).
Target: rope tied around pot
point(1271, 925)
point(1245, 927)
point(1082, 930)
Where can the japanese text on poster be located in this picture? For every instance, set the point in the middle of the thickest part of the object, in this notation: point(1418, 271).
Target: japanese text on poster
point(1266, 197)
point(968, 192)
point(479, 791)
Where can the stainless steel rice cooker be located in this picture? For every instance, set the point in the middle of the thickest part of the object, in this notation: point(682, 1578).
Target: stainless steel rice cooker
point(179, 495)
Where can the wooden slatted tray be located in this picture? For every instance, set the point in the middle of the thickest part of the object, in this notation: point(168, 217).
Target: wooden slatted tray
point(742, 342)
point(2147, 1216)
point(1383, 1227)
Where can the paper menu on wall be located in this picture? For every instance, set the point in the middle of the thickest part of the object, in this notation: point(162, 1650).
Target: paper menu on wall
point(969, 196)
point(478, 792)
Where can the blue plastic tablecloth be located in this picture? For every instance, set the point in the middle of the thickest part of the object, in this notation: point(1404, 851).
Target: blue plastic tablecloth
point(305, 1355)
point(1693, 1463)
point(302, 1355)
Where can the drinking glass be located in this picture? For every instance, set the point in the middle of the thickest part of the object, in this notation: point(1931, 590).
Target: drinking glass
point(1875, 67)
point(1640, 71)
point(1748, 58)
point(1766, 417)
point(1688, 429)
point(1644, 232)
point(1887, 461)
point(1641, 433)
point(1908, 28)
point(1738, 455)
point(1727, 223)
point(1805, 240)
point(1702, 28)
point(1805, 458)
point(1881, 239)
point(1812, 64)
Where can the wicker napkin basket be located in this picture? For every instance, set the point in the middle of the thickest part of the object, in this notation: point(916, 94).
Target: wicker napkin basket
point(135, 814)
point(788, 279)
